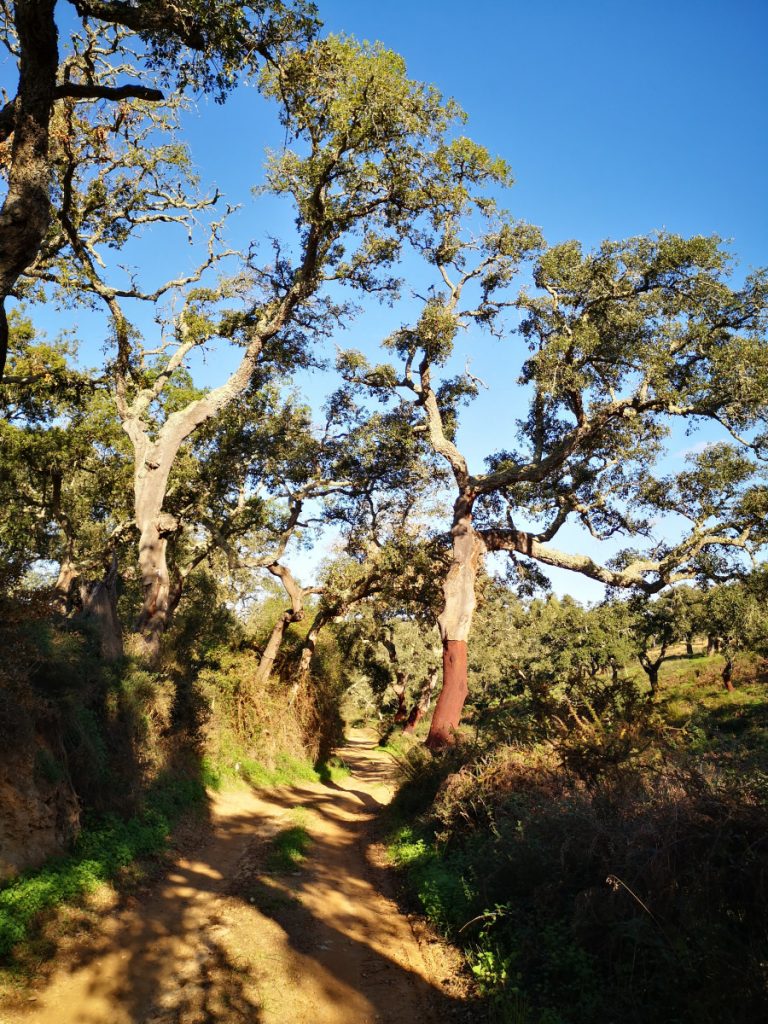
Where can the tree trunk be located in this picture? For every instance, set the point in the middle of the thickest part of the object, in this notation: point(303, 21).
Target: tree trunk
point(689, 645)
point(295, 613)
point(155, 528)
point(651, 669)
point(450, 703)
point(267, 662)
point(728, 673)
point(455, 622)
point(64, 588)
point(653, 678)
point(421, 706)
point(25, 214)
point(307, 651)
point(99, 599)
point(401, 714)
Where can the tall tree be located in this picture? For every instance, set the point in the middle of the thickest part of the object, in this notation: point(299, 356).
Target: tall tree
point(364, 170)
point(620, 341)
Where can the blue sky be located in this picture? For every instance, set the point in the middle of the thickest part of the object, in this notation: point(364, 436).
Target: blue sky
point(617, 119)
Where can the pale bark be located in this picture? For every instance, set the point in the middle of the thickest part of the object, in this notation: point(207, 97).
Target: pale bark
point(295, 613)
point(421, 707)
point(63, 588)
point(152, 467)
point(400, 684)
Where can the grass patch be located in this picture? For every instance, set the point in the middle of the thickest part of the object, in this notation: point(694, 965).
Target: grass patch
point(289, 847)
point(286, 771)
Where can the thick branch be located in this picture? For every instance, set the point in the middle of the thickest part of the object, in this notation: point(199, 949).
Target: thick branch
point(72, 90)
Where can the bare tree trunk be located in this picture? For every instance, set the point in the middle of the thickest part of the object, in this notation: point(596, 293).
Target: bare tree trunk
point(401, 678)
point(63, 588)
point(689, 645)
point(651, 669)
point(305, 660)
point(455, 622)
point(728, 673)
point(267, 662)
point(421, 706)
point(401, 714)
point(153, 466)
point(653, 678)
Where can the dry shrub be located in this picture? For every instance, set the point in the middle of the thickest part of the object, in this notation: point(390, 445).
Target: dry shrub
point(241, 719)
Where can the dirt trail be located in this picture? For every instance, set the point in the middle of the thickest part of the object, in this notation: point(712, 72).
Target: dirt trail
point(218, 938)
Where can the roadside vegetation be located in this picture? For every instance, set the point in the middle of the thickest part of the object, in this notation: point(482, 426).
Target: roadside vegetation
point(607, 859)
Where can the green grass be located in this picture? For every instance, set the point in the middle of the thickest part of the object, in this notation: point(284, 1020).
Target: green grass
point(287, 771)
point(103, 849)
point(289, 847)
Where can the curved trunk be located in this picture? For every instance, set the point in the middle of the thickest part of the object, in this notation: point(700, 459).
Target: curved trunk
point(267, 662)
point(26, 212)
point(305, 660)
point(99, 599)
point(401, 714)
point(455, 622)
point(421, 707)
point(64, 587)
point(295, 613)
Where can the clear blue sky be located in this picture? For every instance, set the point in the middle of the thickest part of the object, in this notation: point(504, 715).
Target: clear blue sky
point(617, 119)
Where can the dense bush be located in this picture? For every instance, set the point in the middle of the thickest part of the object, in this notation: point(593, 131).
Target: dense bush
point(635, 894)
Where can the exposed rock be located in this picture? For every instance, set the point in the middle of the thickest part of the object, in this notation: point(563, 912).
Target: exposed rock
point(39, 811)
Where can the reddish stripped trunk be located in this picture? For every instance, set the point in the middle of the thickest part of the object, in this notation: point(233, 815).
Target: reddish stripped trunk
point(450, 703)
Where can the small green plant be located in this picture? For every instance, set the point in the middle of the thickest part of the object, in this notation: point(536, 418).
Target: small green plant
point(290, 845)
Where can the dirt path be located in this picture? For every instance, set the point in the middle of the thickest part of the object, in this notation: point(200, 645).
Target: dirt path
point(219, 938)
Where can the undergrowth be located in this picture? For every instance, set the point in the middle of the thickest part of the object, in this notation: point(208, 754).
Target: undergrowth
point(591, 880)
point(102, 850)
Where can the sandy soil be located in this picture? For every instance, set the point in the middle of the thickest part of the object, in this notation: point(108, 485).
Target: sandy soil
point(219, 938)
